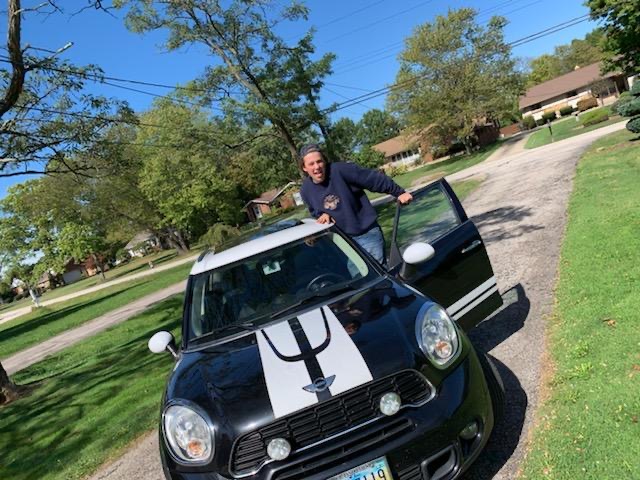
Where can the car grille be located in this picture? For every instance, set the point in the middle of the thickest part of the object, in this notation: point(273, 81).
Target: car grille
point(315, 424)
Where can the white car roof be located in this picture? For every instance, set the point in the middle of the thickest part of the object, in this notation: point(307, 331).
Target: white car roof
point(213, 260)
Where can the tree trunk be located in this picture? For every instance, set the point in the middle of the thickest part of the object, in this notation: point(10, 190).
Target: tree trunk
point(177, 241)
point(99, 265)
point(8, 389)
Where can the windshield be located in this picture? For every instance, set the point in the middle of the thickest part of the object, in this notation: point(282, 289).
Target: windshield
point(233, 297)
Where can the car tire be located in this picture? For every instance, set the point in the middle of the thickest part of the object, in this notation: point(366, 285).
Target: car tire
point(495, 385)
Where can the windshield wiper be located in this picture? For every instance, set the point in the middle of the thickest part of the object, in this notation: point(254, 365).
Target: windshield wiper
point(322, 293)
point(247, 326)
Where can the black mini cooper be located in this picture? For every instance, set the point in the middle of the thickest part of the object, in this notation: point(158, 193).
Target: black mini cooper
point(302, 358)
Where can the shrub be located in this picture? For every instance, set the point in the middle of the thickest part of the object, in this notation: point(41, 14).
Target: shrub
point(594, 117)
point(624, 98)
point(633, 125)
point(587, 103)
point(635, 89)
point(528, 122)
point(564, 111)
point(540, 122)
point(551, 116)
point(630, 108)
point(395, 171)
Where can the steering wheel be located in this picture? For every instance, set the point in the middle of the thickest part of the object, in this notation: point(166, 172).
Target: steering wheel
point(327, 278)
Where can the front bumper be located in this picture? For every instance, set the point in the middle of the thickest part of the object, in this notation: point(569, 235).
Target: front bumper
point(420, 443)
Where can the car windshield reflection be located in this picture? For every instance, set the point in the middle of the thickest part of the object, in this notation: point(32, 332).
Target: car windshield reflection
point(272, 283)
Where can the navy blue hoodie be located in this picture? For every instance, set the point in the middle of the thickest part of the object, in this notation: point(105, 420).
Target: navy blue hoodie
point(342, 196)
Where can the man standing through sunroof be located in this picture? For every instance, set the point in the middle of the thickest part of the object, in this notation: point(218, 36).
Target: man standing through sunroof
point(334, 192)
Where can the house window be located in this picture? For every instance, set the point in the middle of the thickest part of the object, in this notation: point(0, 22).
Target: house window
point(256, 211)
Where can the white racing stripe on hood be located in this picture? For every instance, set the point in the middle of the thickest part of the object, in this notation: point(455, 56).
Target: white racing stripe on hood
point(342, 357)
point(284, 379)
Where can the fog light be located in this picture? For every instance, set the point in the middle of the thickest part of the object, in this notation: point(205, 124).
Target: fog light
point(470, 431)
point(278, 449)
point(390, 403)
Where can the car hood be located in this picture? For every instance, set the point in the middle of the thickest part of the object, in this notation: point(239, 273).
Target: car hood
point(248, 382)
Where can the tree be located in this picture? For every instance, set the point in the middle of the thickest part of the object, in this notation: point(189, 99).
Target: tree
point(273, 85)
point(45, 115)
point(454, 74)
point(345, 136)
point(376, 126)
point(620, 22)
point(80, 242)
point(566, 58)
point(543, 68)
point(187, 178)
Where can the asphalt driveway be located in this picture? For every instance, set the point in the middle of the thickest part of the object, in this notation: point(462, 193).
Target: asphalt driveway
point(520, 210)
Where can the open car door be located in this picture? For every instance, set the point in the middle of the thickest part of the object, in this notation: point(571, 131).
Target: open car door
point(459, 276)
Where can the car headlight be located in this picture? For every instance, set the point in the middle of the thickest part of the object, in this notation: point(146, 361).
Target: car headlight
point(188, 434)
point(436, 334)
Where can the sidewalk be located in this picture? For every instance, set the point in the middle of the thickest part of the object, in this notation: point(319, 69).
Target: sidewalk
point(24, 310)
point(29, 356)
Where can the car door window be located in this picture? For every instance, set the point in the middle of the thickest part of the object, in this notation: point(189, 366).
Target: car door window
point(430, 216)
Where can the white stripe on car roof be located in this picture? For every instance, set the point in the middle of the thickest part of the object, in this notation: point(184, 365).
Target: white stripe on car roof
point(212, 260)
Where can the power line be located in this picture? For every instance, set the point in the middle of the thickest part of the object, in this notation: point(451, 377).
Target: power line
point(350, 102)
point(373, 56)
point(377, 22)
point(515, 43)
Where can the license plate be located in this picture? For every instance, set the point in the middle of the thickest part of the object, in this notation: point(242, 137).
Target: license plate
point(375, 470)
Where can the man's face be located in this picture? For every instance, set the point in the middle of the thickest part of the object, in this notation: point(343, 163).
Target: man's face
point(314, 166)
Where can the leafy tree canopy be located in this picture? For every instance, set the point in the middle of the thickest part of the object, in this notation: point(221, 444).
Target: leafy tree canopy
point(578, 53)
point(620, 23)
point(455, 73)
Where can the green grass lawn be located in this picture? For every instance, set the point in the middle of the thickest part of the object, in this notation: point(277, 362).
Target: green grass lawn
point(134, 266)
point(89, 402)
point(589, 427)
point(430, 171)
point(563, 129)
point(45, 322)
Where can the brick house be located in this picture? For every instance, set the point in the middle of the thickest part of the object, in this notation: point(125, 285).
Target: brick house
point(285, 197)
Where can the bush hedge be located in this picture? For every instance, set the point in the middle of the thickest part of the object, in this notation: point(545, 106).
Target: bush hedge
point(528, 122)
point(592, 118)
point(564, 111)
point(549, 116)
point(587, 103)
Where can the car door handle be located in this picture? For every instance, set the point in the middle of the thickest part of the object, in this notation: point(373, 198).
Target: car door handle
point(474, 244)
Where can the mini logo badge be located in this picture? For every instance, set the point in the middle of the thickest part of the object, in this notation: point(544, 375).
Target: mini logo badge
point(320, 384)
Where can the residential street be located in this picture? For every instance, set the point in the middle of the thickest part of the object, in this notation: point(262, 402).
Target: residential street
point(520, 210)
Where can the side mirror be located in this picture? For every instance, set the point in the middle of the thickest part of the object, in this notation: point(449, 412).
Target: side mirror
point(418, 252)
point(161, 341)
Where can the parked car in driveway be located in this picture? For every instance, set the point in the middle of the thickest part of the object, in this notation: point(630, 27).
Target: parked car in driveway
point(302, 358)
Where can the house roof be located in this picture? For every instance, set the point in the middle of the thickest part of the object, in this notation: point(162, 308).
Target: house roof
point(270, 196)
point(397, 144)
point(580, 77)
point(138, 239)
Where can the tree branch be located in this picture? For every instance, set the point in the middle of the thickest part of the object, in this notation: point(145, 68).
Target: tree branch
point(15, 54)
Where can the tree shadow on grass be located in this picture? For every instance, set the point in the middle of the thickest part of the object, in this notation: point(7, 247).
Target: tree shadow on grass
point(506, 434)
point(104, 397)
